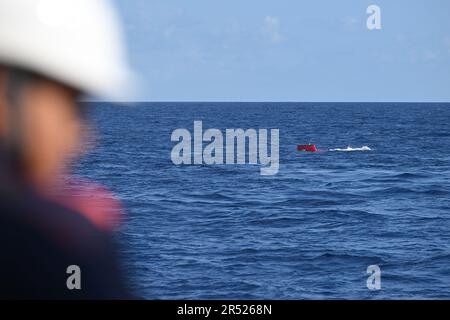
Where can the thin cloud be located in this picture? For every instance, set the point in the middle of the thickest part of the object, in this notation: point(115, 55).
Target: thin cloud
point(430, 55)
point(447, 42)
point(272, 29)
point(350, 23)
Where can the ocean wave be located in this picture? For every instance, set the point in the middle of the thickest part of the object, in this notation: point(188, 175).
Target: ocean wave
point(336, 256)
point(348, 149)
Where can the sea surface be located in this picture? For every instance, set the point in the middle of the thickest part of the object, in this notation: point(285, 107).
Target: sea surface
point(308, 232)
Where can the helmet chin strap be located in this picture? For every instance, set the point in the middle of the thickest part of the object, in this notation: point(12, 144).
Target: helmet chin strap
point(16, 83)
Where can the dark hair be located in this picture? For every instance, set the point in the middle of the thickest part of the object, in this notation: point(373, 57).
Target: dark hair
point(17, 80)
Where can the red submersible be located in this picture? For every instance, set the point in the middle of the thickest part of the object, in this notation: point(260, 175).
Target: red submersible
point(307, 147)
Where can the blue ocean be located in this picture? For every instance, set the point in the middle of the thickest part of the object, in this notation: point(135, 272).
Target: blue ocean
point(308, 232)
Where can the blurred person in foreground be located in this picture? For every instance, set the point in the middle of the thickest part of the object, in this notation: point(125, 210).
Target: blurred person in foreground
point(51, 52)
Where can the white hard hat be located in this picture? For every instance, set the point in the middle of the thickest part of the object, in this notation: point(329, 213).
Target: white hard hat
point(77, 42)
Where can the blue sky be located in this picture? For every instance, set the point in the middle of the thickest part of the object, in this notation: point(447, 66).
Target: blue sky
point(288, 50)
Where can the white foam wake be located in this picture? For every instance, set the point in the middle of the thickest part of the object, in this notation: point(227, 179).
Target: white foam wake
point(348, 149)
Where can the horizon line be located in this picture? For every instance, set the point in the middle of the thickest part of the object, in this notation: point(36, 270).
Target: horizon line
point(253, 101)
